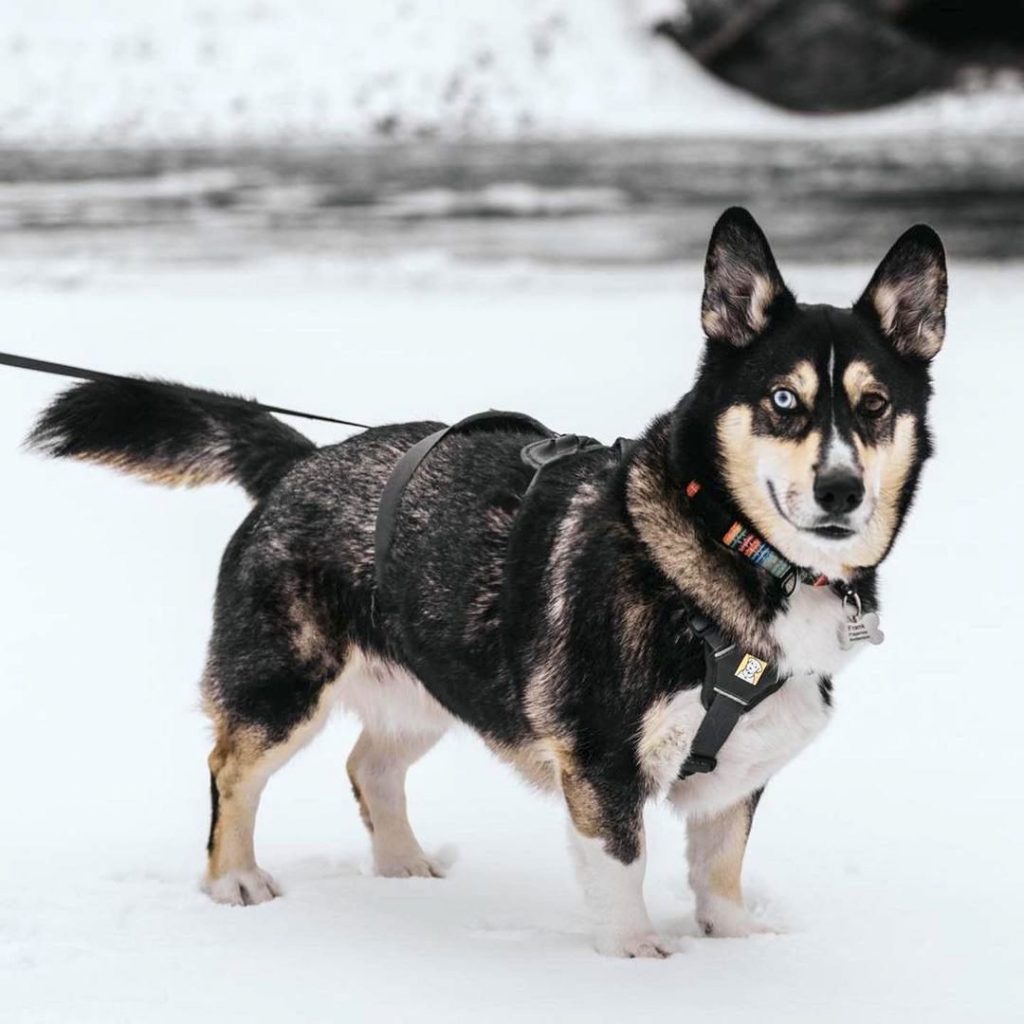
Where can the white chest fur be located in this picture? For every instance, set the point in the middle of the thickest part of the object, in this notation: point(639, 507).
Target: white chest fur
point(808, 633)
point(770, 735)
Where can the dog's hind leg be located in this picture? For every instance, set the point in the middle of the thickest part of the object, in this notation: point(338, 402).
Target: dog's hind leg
point(401, 722)
point(377, 768)
point(243, 760)
point(278, 648)
point(239, 769)
point(715, 848)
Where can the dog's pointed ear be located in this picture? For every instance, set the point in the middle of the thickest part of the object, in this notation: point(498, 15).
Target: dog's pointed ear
point(743, 288)
point(907, 295)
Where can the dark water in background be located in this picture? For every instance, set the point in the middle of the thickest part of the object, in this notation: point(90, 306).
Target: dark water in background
point(586, 202)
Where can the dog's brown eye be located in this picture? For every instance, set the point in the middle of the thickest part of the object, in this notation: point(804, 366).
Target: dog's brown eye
point(874, 405)
point(785, 400)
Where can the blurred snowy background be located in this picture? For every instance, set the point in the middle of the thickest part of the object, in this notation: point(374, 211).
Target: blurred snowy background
point(601, 131)
point(400, 209)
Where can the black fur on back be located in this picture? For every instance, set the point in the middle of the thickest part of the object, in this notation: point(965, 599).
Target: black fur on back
point(170, 435)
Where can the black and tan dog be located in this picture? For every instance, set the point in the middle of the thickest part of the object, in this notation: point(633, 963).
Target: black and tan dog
point(555, 623)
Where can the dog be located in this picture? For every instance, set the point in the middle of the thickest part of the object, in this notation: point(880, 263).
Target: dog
point(556, 620)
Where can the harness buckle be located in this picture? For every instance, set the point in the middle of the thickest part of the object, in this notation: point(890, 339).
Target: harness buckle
point(538, 454)
point(698, 764)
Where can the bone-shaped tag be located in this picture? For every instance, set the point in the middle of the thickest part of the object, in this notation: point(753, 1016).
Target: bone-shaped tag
point(859, 629)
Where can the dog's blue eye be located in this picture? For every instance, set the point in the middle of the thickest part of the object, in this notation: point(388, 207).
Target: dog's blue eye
point(784, 400)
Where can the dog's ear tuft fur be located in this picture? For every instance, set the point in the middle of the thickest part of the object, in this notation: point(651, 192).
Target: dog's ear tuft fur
point(742, 284)
point(907, 295)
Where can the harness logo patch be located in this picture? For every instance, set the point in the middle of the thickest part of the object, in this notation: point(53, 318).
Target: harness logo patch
point(751, 669)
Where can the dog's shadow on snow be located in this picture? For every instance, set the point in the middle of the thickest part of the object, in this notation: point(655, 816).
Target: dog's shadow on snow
point(309, 870)
point(478, 905)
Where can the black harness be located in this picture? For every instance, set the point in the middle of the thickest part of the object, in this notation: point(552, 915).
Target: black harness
point(735, 681)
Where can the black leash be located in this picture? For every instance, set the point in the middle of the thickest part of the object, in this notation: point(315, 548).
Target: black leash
point(81, 373)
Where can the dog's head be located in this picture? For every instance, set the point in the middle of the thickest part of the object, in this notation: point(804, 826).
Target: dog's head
point(817, 415)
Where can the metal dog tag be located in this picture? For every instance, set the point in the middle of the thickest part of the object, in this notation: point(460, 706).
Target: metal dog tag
point(858, 627)
point(861, 628)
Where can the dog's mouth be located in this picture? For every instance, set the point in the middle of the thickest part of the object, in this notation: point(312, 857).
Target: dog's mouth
point(829, 530)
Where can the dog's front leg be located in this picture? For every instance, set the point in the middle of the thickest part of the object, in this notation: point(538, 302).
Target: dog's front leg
point(715, 847)
point(610, 854)
point(613, 891)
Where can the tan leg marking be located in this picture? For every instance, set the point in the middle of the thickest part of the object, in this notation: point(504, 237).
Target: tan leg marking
point(580, 798)
point(534, 760)
point(715, 849)
point(241, 764)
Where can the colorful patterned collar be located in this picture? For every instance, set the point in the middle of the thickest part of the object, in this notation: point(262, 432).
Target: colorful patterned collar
point(730, 531)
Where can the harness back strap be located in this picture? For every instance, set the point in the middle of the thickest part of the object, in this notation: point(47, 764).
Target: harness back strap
point(410, 462)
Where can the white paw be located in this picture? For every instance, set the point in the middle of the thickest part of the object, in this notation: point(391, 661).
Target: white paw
point(242, 888)
point(721, 919)
point(417, 865)
point(642, 946)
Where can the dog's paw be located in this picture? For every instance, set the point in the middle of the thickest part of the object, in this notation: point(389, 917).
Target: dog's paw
point(414, 866)
point(721, 919)
point(242, 888)
point(643, 946)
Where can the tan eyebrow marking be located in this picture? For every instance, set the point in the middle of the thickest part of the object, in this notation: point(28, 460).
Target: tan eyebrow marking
point(859, 378)
point(803, 379)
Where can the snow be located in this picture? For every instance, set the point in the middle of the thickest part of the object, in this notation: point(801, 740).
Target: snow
point(889, 852)
point(120, 72)
point(503, 199)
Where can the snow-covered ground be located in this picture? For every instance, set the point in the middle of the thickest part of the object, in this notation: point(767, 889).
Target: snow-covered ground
point(121, 72)
point(890, 853)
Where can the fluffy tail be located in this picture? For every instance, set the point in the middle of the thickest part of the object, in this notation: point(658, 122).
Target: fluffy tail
point(168, 435)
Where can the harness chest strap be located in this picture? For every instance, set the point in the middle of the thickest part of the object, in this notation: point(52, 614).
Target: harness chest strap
point(735, 683)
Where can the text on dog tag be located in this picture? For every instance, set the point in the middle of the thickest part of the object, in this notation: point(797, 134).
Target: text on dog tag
point(860, 629)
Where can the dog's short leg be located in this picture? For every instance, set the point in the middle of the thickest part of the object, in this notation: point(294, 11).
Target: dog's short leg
point(377, 768)
point(240, 765)
point(237, 778)
point(613, 890)
point(715, 848)
point(610, 855)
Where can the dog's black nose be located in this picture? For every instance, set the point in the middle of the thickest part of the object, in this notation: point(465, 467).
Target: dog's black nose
point(839, 492)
